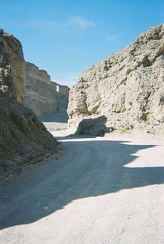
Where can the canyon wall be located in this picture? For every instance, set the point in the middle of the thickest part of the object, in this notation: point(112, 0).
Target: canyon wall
point(42, 95)
point(12, 67)
point(23, 138)
point(126, 87)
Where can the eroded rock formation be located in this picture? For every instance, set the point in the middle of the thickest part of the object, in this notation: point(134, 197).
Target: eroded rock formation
point(127, 87)
point(42, 95)
point(23, 138)
point(12, 68)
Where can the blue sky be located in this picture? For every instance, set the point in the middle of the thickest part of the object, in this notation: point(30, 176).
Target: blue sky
point(65, 37)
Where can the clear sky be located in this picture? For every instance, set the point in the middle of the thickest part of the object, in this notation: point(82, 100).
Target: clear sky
point(65, 37)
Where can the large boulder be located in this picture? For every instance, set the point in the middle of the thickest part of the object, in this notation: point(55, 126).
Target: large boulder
point(126, 87)
point(93, 127)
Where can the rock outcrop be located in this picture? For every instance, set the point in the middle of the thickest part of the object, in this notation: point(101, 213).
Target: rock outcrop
point(42, 95)
point(23, 138)
point(61, 94)
point(126, 87)
point(12, 67)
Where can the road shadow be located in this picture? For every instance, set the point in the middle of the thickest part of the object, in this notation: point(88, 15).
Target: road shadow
point(76, 176)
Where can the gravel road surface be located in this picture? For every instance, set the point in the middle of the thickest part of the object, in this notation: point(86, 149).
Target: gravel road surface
point(100, 190)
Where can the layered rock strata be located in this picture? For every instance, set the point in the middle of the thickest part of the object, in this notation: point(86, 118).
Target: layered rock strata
point(127, 87)
point(12, 67)
point(23, 138)
point(42, 95)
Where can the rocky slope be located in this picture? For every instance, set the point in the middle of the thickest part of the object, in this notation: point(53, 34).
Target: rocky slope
point(126, 87)
point(12, 68)
point(23, 138)
point(42, 95)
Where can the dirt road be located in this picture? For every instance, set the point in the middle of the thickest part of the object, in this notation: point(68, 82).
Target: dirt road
point(101, 190)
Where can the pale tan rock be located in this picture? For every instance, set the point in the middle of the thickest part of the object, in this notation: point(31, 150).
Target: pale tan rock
point(39, 94)
point(24, 139)
point(127, 87)
point(12, 69)
point(42, 95)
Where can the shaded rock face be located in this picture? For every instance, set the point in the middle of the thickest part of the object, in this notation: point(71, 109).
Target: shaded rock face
point(127, 87)
point(42, 95)
point(61, 94)
point(12, 68)
point(23, 138)
point(93, 127)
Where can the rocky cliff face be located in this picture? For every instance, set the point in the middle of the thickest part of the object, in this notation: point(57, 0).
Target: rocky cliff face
point(23, 138)
point(12, 69)
point(42, 95)
point(127, 87)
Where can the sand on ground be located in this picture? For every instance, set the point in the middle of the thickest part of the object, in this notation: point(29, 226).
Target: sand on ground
point(100, 190)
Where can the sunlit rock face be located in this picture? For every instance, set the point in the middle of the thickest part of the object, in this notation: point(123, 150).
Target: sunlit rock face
point(42, 95)
point(12, 67)
point(23, 138)
point(126, 87)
